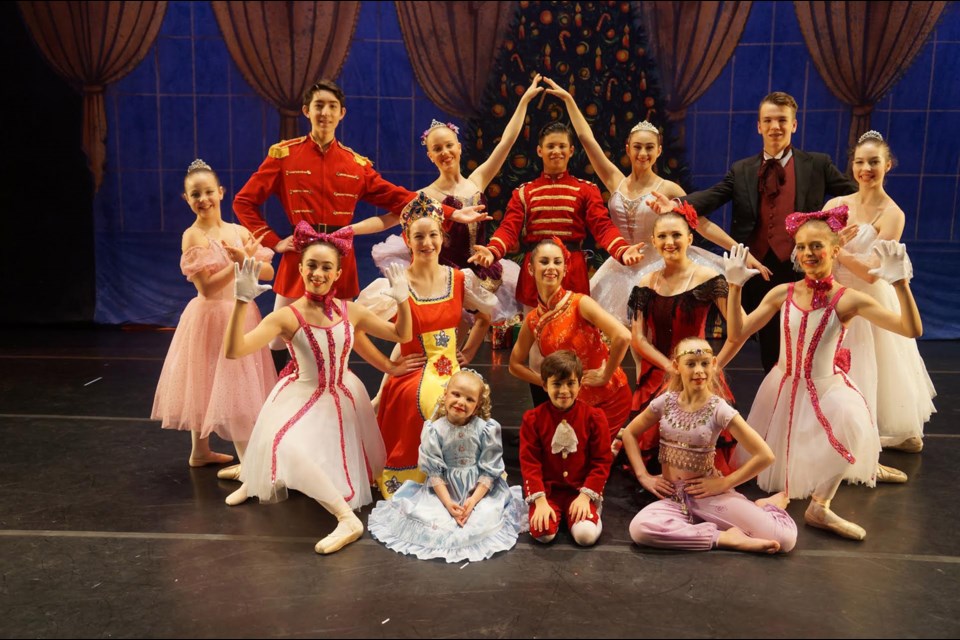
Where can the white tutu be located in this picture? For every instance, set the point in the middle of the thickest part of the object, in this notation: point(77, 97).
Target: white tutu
point(814, 439)
point(612, 283)
point(885, 366)
point(315, 427)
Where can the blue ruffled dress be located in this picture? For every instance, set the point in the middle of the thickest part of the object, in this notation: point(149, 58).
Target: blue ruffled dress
point(416, 523)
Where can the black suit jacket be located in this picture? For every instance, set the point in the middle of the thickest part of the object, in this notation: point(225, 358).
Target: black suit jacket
point(816, 177)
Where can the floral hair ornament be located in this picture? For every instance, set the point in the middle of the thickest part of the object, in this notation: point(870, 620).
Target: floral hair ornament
point(199, 165)
point(304, 235)
point(423, 206)
point(645, 126)
point(563, 249)
point(835, 218)
point(699, 351)
point(870, 135)
point(433, 125)
point(689, 214)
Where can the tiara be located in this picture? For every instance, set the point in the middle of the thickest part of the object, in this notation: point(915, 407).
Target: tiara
point(645, 126)
point(870, 135)
point(423, 206)
point(433, 125)
point(197, 165)
point(699, 351)
point(474, 372)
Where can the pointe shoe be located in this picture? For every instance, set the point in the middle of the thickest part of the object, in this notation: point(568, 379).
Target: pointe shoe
point(348, 530)
point(229, 473)
point(822, 517)
point(890, 475)
point(211, 458)
point(913, 444)
point(237, 497)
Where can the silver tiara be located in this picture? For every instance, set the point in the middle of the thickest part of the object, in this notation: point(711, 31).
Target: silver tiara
point(645, 126)
point(870, 135)
point(434, 124)
point(198, 164)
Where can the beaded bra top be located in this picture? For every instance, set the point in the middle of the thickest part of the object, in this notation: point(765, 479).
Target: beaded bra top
point(688, 439)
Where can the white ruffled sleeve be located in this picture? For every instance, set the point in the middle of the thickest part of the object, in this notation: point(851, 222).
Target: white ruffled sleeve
point(475, 297)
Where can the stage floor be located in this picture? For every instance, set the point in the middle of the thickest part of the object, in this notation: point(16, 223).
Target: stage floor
point(106, 532)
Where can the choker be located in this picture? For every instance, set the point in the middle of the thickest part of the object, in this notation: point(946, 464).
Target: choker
point(820, 290)
point(325, 302)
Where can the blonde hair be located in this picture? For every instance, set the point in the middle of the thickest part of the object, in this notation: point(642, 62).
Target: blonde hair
point(684, 347)
point(483, 405)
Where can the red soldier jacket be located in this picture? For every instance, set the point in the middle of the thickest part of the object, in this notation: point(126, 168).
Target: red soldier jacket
point(320, 187)
point(547, 472)
point(561, 206)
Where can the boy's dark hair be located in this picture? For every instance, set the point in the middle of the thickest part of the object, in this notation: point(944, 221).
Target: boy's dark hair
point(324, 85)
point(556, 127)
point(561, 365)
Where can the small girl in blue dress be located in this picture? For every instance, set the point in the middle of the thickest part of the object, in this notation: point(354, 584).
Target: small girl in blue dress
point(465, 510)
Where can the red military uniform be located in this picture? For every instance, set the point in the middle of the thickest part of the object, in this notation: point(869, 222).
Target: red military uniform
point(320, 187)
point(561, 206)
point(561, 476)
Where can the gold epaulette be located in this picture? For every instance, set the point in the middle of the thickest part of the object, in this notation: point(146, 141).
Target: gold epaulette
point(359, 159)
point(282, 148)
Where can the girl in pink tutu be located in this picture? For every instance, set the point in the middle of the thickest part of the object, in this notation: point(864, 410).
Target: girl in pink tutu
point(199, 389)
point(317, 432)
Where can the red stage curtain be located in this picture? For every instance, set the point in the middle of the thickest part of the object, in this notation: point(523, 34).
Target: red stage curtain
point(282, 48)
point(92, 44)
point(862, 48)
point(452, 47)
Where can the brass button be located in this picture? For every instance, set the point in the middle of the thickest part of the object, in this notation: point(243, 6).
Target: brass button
point(565, 455)
point(566, 473)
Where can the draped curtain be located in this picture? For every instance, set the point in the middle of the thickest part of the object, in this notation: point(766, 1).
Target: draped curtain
point(282, 48)
point(692, 43)
point(452, 47)
point(861, 49)
point(92, 44)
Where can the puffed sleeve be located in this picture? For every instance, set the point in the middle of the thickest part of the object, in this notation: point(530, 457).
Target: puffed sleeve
point(431, 455)
point(712, 289)
point(475, 296)
point(639, 298)
point(263, 254)
point(491, 453)
point(724, 414)
point(656, 405)
point(373, 298)
point(197, 259)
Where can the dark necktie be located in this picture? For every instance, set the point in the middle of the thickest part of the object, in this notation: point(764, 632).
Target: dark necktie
point(772, 176)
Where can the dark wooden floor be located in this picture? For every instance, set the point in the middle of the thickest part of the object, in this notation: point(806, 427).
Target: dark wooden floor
point(105, 532)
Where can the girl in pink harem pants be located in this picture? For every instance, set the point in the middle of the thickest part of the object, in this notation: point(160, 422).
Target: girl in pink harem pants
point(698, 508)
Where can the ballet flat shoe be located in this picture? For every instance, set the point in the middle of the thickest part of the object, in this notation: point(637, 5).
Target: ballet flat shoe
point(913, 444)
point(229, 473)
point(821, 517)
point(890, 475)
point(336, 541)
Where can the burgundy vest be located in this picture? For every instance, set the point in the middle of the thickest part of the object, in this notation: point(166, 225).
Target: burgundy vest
point(771, 230)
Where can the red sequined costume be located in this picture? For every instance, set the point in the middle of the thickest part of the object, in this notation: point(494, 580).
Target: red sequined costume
point(561, 476)
point(558, 326)
point(668, 320)
point(322, 188)
point(561, 206)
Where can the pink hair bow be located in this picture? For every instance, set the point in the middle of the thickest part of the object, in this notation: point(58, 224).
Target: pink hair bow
point(304, 235)
point(835, 218)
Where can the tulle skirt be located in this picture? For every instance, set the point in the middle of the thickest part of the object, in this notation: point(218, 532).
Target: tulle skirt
point(200, 389)
point(805, 456)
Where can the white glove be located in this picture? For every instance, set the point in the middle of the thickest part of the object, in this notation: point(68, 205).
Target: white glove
point(895, 264)
point(735, 265)
point(399, 286)
point(245, 285)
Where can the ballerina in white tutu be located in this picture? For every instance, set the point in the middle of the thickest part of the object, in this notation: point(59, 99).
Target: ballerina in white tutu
point(807, 409)
point(887, 368)
point(630, 211)
point(317, 432)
